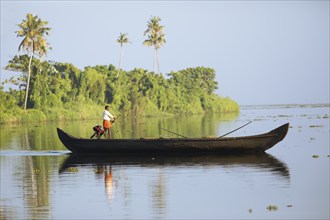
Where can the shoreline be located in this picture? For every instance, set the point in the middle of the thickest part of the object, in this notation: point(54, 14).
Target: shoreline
point(32, 116)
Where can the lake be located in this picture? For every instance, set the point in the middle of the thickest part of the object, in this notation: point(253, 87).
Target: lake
point(41, 180)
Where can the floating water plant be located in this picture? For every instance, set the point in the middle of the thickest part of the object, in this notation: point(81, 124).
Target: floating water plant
point(72, 169)
point(272, 208)
point(316, 126)
point(36, 170)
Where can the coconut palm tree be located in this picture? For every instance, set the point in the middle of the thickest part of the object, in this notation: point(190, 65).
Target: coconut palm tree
point(122, 39)
point(156, 38)
point(32, 30)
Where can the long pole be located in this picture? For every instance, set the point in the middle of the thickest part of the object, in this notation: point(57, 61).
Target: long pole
point(235, 130)
point(115, 121)
point(174, 133)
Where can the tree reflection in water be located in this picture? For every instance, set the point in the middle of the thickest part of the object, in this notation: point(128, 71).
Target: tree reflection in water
point(158, 194)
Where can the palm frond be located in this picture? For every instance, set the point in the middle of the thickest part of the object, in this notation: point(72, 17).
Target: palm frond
point(33, 30)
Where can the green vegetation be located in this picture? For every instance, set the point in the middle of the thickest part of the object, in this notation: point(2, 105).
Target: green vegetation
point(61, 91)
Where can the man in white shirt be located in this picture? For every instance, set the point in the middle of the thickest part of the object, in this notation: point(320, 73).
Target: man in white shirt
point(107, 121)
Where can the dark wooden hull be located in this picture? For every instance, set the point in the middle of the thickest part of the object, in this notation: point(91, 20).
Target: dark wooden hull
point(246, 144)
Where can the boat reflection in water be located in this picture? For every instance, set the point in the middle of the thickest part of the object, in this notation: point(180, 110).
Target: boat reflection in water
point(261, 161)
point(140, 178)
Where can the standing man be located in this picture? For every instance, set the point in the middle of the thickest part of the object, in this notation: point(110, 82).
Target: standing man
point(108, 118)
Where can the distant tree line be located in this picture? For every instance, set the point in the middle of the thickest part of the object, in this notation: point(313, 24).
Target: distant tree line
point(137, 91)
point(45, 85)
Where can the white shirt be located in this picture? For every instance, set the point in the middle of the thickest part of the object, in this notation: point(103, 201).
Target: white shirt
point(107, 116)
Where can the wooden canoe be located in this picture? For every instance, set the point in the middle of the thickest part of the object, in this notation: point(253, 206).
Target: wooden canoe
point(244, 144)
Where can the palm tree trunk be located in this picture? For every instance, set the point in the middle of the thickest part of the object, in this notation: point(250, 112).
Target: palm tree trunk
point(155, 58)
point(28, 82)
point(157, 61)
point(121, 56)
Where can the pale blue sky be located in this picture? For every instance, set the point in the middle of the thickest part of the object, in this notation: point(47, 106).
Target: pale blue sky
point(264, 52)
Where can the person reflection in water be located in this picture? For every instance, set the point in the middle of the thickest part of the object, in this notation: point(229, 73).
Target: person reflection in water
point(109, 185)
point(105, 171)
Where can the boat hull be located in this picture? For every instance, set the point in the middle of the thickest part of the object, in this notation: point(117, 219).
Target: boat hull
point(256, 143)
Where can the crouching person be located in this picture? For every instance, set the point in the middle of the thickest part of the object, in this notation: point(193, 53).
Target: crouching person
point(98, 131)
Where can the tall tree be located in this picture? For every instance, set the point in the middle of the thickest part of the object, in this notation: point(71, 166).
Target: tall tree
point(156, 37)
point(32, 30)
point(122, 39)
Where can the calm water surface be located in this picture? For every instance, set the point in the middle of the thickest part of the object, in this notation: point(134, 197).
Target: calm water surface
point(41, 180)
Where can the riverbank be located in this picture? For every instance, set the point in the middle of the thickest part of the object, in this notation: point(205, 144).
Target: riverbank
point(81, 112)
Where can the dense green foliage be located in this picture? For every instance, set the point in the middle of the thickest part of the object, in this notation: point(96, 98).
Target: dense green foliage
point(62, 91)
